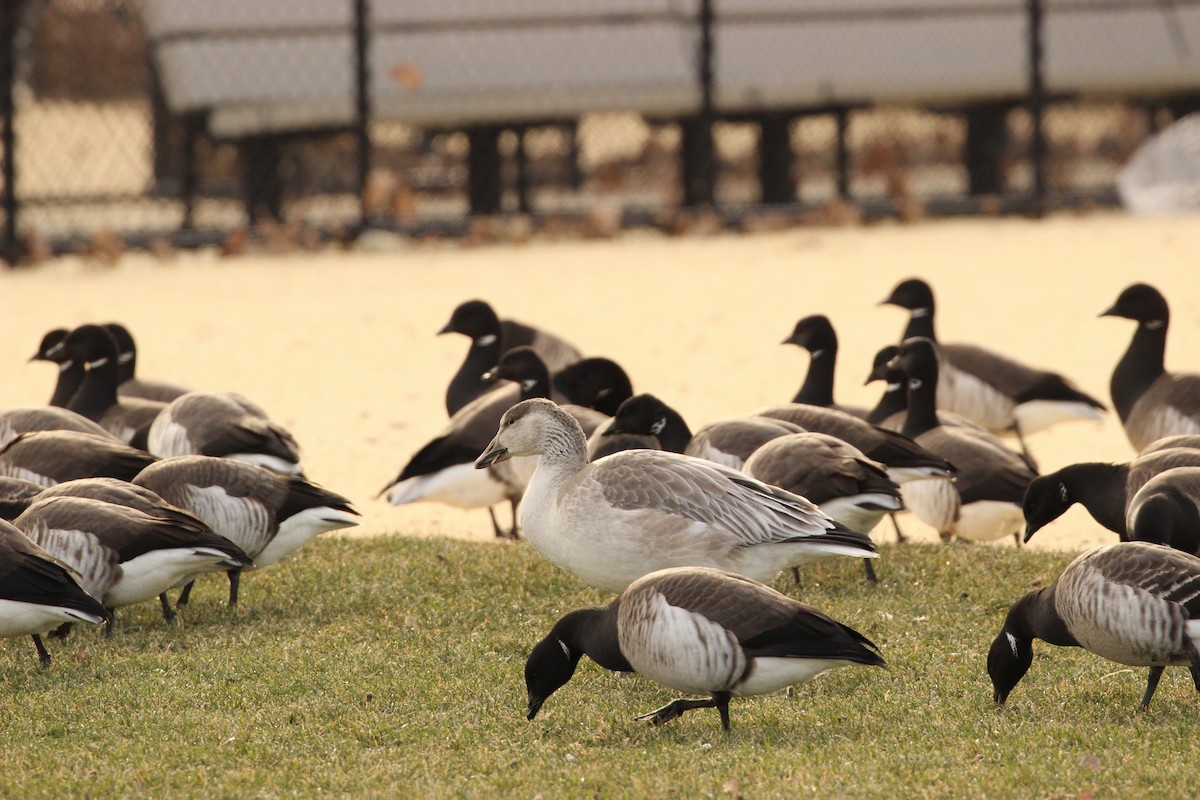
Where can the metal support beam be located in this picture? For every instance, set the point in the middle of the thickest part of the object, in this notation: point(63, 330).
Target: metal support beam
point(362, 86)
point(699, 162)
point(1037, 107)
point(484, 187)
point(842, 116)
point(775, 159)
point(10, 247)
point(987, 140)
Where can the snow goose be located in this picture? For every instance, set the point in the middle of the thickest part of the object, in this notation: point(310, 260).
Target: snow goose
point(615, 519)
point(697, 630)
point(1104, 489)
point(998, 393)
point(815, 334)
point(1166, 510)
point(16, 421)
point(123, 555)
point(225, 425)
point(1132, 603)
point(38, 592)
point(129, 418)
point(50, 457)
point(595, 382)
point(1151, 402)
point(984, 502)
point(490, 338)
point(268, 514)
point(129, 384)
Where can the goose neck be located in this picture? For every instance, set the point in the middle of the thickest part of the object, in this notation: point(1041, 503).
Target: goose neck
point(1139, 367)
point(817, 389)
point(593, 631)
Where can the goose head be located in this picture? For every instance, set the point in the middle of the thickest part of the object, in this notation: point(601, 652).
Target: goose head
point(50, 348)
point(814, 333)
point(474, 318)
point(917, 358)
point(1141, 303)
point(598, 383)
point(1046, 499)
point(913, 294)
point(521, 365)
point(1008, 660)
point(90, 344)
point(641, 414)
point(550, 665)
point(880, 371)
point(528, 429)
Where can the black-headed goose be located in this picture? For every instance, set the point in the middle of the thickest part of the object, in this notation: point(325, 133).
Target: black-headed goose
point(490, 338)
point(38, 592)
point(892, 407)
point(1104, 489)
point(594, 382)
point(123, 555)
point(129, 418)
point(815, 334)
point(1166, 510)
point(50, 457)
point(698, 630)
point(984, 502)
point(729, 442)
point(224, 425)
point(615, 519)
point(16, 421)
point(1133, 603)
point(130, 385)
point(70, 373)
point(268, 514)
point(1151, 402)
point(998, 393)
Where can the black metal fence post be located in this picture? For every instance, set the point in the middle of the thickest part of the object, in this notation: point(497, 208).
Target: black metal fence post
point(10, 248)
point(699, 171)
point(362, 80)
point(1036, 103)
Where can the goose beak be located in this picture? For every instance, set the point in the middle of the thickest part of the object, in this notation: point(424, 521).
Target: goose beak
point(494, 454)
point(790, 340)
point(535, 705)
point(446, 329)
point(1029, 532)
point(1111, 311)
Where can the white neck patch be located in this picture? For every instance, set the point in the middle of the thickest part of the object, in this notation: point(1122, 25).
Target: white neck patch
point(604, 393)
point(915, 383)
point(124, 358)
point(99, 362)
point(566, 650)
point(66, 365)
point(817, 354)
point(1012, 643)
point(486, 341)
point(1154, 324)
point(528, 384)
point(895, 387)
point(917, 313)
point(658, 425)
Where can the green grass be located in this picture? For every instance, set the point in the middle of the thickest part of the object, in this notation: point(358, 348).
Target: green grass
point(392, 667)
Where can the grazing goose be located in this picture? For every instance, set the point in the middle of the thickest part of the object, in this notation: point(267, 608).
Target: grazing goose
point(123, 555)
point(70, 373)
point(984, 502)
point(50, 457)
point(128, 419)
point(1132, 603)
point(595, 382)
point(268, 514)
point(1151, 402)
point(225, 425)
point(1191, 440)
point(697, 630)
point(613, 520)
point(490, 338)
point(16, 421)
point(998, 393)
point(130, 385)
point(16, 489)
point(1103, 489)
point(38, 592)
point(1166, 510)
point(816, 335)
point(729, 442)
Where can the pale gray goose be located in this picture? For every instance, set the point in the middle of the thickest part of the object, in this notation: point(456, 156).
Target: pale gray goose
point(997, 392)
point(130, 385)
point(815, 334)
point(123, 555)
point(697, 630)
point(50, 457)
point(615, 519)
point(128, 419)
point(16, 421)
point(1133, 603)
point(1166, 510)
point(267, 514)
point(983, 503)
point(1104, 489)
point(224, 425)
point(38, 592)
point(490, 338)
point(1151, 402)
point(728, 442)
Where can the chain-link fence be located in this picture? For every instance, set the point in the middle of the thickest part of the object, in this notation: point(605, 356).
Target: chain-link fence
point(146, 121)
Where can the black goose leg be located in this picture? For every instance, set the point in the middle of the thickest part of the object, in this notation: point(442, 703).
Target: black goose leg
point(168, 614)
point(43, 653)
point(676, 708)
point(235, 579)
point(62, 631)
point(1194, 668)
point(495, 525)
point(1151, 685)
point(186, 594)
point(869, 571)
point(796, 575)
point(900, 537)
point(514, 532)
point(108, 626)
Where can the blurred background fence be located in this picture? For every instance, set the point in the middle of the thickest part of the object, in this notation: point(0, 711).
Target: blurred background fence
point(183, 122)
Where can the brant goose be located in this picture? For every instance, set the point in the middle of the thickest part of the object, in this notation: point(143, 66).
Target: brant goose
point(129, 385)
point(984, 502)
point(998, 393)
point(892, 407)
point(267, 514)
point(16, 421)
point(1151, 402)
point(1166, 510)
point(595, 382)
point(38, 592)
point(225, 425)
point(1105, 490)
point(613, 520)
point(816, 335)
point(697, 630)
point(70, 373)
point(1132, 603)
point(50, 457)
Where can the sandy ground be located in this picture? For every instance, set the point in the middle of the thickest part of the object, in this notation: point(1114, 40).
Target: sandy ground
point(341, 347)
